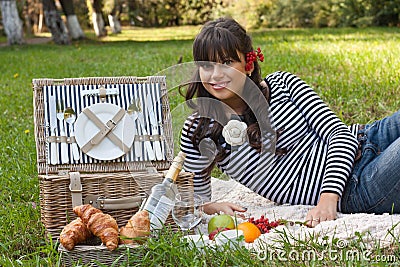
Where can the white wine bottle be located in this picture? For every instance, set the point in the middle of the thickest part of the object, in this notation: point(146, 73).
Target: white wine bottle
point(162, 197)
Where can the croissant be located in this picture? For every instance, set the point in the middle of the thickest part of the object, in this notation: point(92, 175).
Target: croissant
point(74, 233)
point(137, 226)
point(101, 225)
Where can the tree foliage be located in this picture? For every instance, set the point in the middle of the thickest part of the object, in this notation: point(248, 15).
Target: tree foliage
point(333, 13)
point(150, 13)
point(251, 13)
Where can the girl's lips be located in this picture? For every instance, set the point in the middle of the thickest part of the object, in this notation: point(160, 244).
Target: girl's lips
point(219, 86)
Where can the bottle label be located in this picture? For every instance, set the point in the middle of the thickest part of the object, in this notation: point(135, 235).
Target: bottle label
point(150, 205)
point(156, 193)
point(161, 212)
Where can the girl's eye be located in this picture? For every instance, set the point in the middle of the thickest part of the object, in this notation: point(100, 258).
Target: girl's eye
point(206, 65)
point(228, 62)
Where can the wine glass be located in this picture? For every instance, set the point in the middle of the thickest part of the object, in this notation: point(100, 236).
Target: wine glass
point(187, 211)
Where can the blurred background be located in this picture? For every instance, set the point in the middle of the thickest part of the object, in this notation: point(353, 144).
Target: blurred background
point(66, 20)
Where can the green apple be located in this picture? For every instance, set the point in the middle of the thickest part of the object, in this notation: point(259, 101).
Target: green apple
point(221, 221)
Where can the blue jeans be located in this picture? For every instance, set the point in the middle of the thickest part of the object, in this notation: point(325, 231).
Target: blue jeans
point(374, 185)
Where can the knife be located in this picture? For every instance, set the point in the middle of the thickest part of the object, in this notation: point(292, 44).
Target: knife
point(147, 143)
point(154, 127)
point(60, 117)
point(53, 126)
point(133, 112)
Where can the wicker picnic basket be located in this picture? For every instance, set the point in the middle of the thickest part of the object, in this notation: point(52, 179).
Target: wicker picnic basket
point(109, 175)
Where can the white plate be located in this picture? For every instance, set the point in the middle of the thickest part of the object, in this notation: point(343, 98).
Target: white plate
point(85, 130)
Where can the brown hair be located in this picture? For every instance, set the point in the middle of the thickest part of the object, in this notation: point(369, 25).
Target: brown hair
point(220, 39)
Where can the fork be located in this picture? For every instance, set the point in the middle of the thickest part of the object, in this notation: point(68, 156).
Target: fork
point(60, 117)
point(70, 117)
point(137, 111)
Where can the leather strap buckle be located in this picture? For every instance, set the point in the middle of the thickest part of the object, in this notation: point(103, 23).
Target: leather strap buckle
point(75, 187)
point(100, 202)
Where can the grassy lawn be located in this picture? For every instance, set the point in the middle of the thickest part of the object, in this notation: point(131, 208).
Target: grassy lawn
point(357, 72)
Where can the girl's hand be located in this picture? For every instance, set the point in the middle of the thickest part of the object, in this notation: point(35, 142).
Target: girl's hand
point(222, 207)
point(325, 210)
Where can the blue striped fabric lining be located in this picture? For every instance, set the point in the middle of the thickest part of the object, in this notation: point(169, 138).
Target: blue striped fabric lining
point(72, 96)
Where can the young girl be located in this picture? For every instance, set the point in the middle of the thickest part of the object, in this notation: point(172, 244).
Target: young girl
point(277, 137)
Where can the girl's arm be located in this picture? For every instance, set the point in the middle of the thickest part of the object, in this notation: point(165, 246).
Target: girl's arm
point(195, 162)
point(341, 143)
point(341, 146)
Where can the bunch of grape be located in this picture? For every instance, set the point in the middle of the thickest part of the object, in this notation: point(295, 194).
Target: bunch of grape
point(264, 224)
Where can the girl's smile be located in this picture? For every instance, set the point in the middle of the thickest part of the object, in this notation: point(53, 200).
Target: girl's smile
point(219, 85)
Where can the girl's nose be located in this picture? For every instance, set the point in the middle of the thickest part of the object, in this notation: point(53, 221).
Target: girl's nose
point(218, 71)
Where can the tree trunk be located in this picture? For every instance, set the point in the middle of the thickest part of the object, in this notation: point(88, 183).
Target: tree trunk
point(40, 23)
point(97, 18)
point(27, 19)
point(11, 22)
point(55, 23)
point(74, 28)
point(115, 25)
point(113, 17)
point(98, 24)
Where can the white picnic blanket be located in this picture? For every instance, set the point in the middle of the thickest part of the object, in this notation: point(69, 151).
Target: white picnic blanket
point(373, 229)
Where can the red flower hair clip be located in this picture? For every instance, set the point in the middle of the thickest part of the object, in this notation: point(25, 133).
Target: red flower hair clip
point(252, 56)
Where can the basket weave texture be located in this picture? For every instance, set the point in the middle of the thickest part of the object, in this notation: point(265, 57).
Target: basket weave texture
point(96, 255)
point(56, 202)
point(41, 125)
point(115, 179)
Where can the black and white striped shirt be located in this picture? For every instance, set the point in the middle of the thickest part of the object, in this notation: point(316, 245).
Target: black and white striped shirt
point(321, 149)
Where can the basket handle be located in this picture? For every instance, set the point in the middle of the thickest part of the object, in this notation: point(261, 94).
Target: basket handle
point(100, 202)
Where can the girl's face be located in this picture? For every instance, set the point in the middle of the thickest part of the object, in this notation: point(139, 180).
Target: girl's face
point(224, 80)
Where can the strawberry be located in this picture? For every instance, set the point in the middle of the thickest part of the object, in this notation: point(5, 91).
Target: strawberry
point(217, 231)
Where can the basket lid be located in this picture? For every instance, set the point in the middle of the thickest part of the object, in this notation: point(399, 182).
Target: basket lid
point(120, 124)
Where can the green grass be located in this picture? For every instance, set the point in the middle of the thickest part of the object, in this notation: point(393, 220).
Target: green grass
point(356, 71)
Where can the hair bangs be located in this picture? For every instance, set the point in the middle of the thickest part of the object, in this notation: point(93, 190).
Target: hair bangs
point(216, 45)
